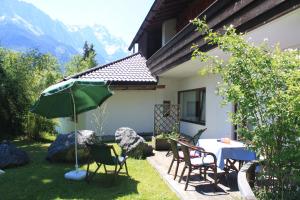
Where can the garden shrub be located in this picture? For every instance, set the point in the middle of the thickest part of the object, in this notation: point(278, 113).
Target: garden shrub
point(264, 82)
point(23, 76)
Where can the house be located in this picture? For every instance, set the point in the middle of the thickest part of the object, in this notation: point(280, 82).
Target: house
point(162, 70)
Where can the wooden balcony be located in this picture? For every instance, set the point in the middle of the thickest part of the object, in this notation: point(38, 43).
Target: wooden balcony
point(245, 15)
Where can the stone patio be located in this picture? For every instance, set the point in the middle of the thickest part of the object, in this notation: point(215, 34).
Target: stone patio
point(197, 188)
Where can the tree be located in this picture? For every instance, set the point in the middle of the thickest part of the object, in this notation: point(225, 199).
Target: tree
point(22, 78)
point(80, 63)
point(86, 50)
point(264, 82)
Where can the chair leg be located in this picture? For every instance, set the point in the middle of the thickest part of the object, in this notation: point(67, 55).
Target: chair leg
point(105, 169)
point(240, 164)
point(187, 178)
point(92, 175)
point(87, 173)
point(120, 167)
point(171, 165)
point(116, 167)
point(215, 178)
point(182, 173)
point(200, 171)
point(126, 168)
point(205, 169)
point(176, 170)
point(168, 153)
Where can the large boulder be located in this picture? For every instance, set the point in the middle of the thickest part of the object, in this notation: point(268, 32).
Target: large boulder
point(132, 144)
point(63, 148)
point(11, 156)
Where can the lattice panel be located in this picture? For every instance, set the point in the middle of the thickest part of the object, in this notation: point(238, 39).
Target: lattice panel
point(166, 118)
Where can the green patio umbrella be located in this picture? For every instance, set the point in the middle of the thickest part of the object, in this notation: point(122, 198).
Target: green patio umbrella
point(71, 97)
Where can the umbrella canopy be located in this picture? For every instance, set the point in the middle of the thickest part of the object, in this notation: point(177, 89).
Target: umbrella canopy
point(56, 100)
point(69, 98)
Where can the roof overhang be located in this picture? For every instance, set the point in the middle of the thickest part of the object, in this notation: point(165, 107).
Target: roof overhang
point(160, 11)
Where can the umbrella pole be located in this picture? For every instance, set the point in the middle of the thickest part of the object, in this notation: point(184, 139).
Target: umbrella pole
point(75, 121)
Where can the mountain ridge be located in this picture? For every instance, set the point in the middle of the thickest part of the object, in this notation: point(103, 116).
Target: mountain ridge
point(24, 27)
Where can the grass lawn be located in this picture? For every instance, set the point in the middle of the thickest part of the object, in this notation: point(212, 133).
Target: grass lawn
point(43, 180)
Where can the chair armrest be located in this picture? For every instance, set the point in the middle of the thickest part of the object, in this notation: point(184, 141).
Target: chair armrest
point(183, 139)
point(205, 153)
point(113, 148)
point(196, 148)
point(210, 154)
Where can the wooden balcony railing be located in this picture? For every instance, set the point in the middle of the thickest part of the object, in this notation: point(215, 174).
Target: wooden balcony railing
point(245, 15)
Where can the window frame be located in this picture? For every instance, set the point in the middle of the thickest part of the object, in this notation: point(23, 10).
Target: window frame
point(190, 90)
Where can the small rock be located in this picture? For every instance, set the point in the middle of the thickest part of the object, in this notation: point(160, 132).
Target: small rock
point(132, 144)
point(1, 172)
point(11, 156)
point(63, 148)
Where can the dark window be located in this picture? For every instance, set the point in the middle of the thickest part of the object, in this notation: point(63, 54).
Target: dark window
point(192, 105)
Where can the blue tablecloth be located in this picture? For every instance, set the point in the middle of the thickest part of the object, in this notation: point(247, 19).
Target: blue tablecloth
point(235, 150)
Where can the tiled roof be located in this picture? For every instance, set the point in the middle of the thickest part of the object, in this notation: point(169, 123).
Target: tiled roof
point(129, 69)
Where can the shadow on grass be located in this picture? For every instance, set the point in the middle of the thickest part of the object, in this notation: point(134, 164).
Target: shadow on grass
point(42, 180)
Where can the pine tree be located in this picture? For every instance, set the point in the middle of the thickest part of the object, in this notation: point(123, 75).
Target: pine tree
point(86, 50)
point(80, 63)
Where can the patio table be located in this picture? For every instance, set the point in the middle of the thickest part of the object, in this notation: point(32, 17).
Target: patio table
point(235, 150)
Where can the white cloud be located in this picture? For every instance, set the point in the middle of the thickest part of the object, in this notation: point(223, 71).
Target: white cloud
point(111, 49)
point(2, 18)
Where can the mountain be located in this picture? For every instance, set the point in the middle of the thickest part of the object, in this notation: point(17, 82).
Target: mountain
point(24, 27)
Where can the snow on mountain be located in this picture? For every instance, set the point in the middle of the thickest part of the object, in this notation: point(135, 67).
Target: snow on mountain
point(105, 43)
point(23, 27)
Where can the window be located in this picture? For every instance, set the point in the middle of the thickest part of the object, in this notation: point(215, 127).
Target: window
point(192, 105)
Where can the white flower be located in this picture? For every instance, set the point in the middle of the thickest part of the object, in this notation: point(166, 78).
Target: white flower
point(266, 39)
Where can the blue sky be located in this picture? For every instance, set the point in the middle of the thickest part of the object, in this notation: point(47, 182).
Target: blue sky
point(121, 17)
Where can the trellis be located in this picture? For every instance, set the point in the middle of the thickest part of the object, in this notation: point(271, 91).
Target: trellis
point(166, 118)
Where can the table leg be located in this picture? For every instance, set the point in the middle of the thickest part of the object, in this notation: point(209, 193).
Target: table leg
point(230, 165)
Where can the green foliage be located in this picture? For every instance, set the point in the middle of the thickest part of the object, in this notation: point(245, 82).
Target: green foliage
point(81, 63)
point(22, 78)
point(264, 82)
point(174, 135)
point(162, 135)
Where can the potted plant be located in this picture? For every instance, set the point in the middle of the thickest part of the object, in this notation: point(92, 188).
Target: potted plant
point(161, 141)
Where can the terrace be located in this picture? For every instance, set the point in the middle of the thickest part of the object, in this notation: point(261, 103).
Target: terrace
point(198, 188)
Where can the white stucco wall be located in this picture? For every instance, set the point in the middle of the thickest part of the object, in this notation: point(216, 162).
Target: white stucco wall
point(169, 93)
point(217, 122)
point(131, 108)
point(134, 108)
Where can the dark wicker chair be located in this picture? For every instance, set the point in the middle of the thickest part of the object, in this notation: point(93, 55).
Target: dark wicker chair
point(192, 139)
point(178, 155)
point(206, 162)
point(102, 155)
point(174, 148)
